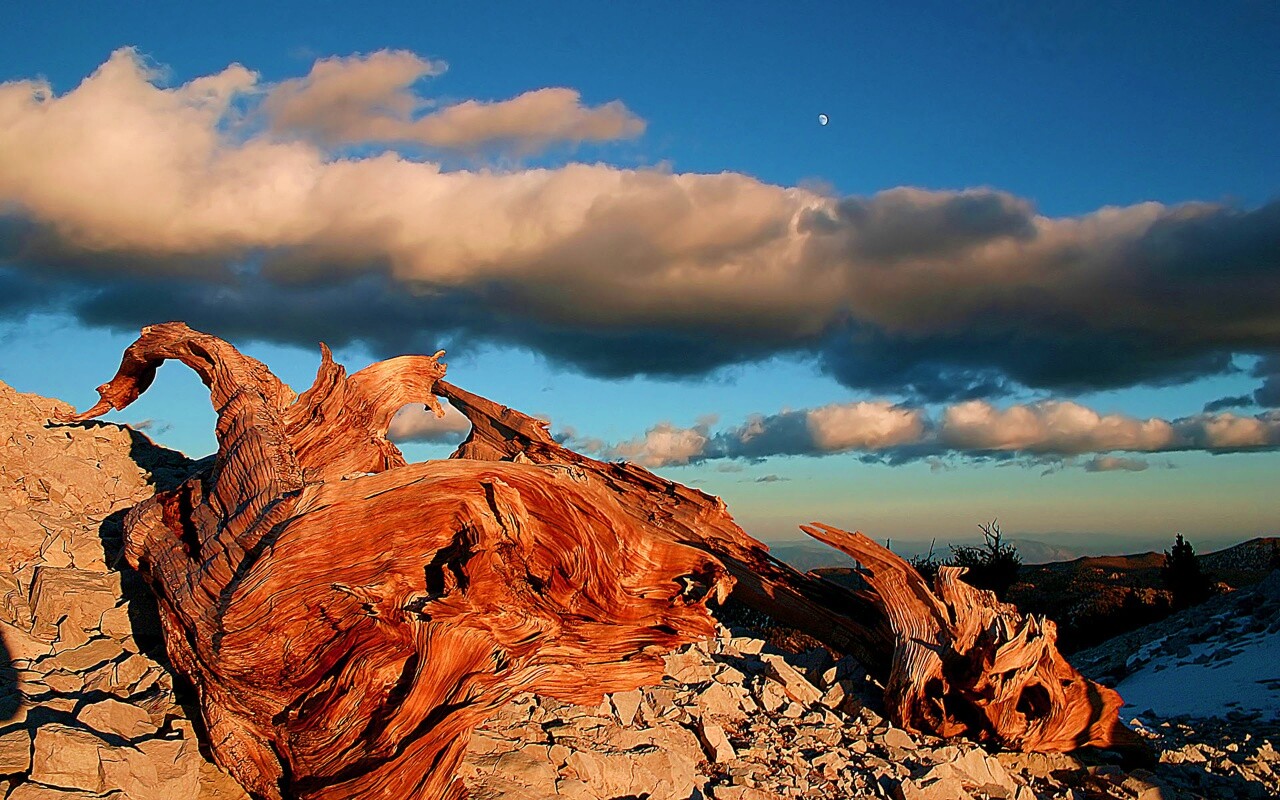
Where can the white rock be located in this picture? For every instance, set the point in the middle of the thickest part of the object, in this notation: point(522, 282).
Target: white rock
point(722, 700)
point(20, 645)
point(793, 683)
point(625, 705)
point(717, 745)
point(160, 769)
point(689, 667)
point(69, 603)
point(122, 719)
point(896, 737)
point(36, 791)
point(85, 657)
point(68, 758)
point(975, 768)
point(15, 751)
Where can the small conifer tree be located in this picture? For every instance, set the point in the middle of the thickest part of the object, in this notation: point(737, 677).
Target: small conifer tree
point(1183, 576)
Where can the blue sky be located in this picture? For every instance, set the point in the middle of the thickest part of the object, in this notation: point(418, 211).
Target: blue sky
point(1007, 278)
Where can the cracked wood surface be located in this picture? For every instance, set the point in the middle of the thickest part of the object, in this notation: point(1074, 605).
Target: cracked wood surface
point(347, 618)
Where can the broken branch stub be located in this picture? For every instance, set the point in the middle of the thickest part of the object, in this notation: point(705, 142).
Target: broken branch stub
point(347, 618)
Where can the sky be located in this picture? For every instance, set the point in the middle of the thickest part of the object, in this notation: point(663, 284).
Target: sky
point(1029, 269)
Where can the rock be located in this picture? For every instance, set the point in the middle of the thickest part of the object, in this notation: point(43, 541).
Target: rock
point(20, 645)
point(15, 752)
point(1039, 765)
point(715, 742)
point(689, 667)
point(216, 784)
point(793, 683)
point(160, 769)
point(896, 737)
point(720, 700)
point(115, 624)
point(36, 791)
point(65, 622)
point(947, 788)
point(975, 769)
point(740, 793)
point(772, 697)
point(82, 658)
point(835, 695)
point(625, 705)
point(68, 758)
point(69, 603)
point(122, 719)
point(730, 675)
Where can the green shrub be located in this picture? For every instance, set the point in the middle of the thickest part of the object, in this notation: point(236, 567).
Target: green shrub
point(993, 565)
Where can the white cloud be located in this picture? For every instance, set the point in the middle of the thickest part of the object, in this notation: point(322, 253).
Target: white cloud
point(1047, 433)
point(1049, 427)
point(416, 423)
point(369, 99)
point(662, 445)
point(1227, 431)
point(1116, 463)
point(617, 271)
point(864, 426)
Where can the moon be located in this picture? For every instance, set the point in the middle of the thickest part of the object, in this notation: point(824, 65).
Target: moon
point(823, 119)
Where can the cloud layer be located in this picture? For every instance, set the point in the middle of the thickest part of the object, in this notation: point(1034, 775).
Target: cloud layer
point(974, 428)
point(124, 201)
point(416, 423)
point(364, 99)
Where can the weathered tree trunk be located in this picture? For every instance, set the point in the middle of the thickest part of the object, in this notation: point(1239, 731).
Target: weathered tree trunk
point(967, 664)
point(348, 618)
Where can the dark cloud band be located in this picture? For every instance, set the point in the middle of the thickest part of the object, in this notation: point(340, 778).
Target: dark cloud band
point(926, 295)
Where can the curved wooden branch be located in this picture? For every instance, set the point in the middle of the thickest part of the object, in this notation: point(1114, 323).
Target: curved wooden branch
point(347, 618)
point(967, 664)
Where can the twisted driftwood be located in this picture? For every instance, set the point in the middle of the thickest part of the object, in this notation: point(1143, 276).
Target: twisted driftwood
point(348, 618)
point(967, 664)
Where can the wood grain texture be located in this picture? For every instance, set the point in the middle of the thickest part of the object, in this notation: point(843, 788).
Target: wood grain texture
point(966, 664)
point(348, 618)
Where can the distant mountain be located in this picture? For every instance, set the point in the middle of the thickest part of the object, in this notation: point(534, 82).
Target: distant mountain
point(1037, 552)
point(806, 555)
point(1093, 598)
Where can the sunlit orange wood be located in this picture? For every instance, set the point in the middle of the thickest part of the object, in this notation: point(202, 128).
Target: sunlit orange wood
point(348, 618)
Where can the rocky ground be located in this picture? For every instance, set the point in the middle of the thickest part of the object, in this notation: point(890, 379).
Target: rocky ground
point(736, 718)
point(89, 710)
point(87, 707)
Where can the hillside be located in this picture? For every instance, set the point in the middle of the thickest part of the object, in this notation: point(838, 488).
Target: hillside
point(1097, 597)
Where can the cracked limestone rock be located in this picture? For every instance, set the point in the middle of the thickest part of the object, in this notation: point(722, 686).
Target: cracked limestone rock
point(87, 714)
